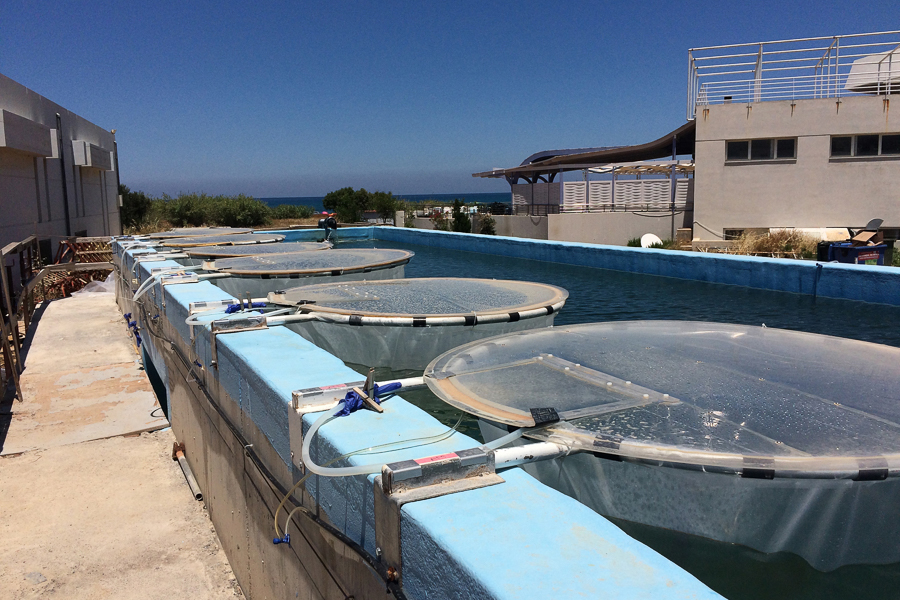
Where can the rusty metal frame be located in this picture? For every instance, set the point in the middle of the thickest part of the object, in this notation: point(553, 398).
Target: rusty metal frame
point(20, 305)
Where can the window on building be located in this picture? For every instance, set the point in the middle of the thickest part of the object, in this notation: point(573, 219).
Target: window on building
point(842, 146)
point(737, 150)
point(786, 148)
point(761, 150)
point(765, 149)
point(890, 144)
point(865, 145)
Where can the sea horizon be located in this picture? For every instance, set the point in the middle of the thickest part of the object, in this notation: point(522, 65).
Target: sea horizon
point(316, 201)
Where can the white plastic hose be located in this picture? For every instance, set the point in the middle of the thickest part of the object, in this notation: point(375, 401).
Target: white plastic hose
point(192, 320)
point(332, 471)
point(372, 467)
point(285, 319)
point(151, 281)
point(502, 441)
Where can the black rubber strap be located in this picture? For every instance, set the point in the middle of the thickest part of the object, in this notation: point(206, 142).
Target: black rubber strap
point(356, 319)
point(549, 309)
point(871, 475)
point(607, 443)
point(471, 320)
point(543, 416)
point(758, 467)
point(513, 317)
point(418, 321)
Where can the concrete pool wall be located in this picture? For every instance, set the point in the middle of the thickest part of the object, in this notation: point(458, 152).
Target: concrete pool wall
point(518, 539)
point(863, 283)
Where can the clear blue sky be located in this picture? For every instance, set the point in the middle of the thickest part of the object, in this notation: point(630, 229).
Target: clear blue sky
point(299, 98)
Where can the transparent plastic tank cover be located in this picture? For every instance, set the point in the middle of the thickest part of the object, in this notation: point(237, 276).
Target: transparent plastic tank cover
point(718, 396)
point(238, 239)
point(197, 232)
point(348, 260)
point(424, 297)
point(241, 250)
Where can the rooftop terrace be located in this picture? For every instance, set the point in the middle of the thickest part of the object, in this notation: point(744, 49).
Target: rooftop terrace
point(805, 68)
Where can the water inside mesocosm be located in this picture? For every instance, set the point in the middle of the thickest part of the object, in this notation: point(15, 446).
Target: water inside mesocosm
point(596, 295)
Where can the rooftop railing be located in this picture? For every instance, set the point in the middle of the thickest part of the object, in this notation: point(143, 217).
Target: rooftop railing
point(820, 67)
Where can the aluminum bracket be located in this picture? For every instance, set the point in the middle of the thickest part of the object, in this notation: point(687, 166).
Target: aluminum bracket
point(223, 326)
point(422, 479)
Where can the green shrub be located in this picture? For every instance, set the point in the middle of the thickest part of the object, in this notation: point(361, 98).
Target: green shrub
point(187, 210)
point(292, 211)
point(135, 206)
point(634, 242)
point(462, 222)
point(195, 210)
point(488, 226)
point(239, 211)
point(439, 220)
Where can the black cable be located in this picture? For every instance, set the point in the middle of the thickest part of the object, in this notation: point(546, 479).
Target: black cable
point(376, 565)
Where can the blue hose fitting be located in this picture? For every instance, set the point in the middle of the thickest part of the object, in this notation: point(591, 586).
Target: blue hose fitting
point(285, 540)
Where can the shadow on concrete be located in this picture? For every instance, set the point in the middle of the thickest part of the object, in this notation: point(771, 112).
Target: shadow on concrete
point(8, 402)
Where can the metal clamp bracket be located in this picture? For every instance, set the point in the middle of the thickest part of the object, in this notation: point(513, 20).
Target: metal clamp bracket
point(321, 398)
point(176, 278)
point(327, 397)
point(198, 307)
point(421, 479)
point(222, 326)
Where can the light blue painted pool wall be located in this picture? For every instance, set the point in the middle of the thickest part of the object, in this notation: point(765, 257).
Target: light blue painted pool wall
point(154, 309)
point(831, 280)
point(500, 542)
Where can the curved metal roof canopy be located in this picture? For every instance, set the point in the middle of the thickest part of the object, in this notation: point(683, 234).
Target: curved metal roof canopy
point(557, 161)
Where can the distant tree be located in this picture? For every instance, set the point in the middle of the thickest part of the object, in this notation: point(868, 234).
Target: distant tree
point(385, 205)
point(135, 206)
point(462, 222)
point(349, 204)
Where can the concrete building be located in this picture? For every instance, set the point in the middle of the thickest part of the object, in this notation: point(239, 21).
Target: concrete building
point(800, 175)
point(787, 134)
point(58, 173)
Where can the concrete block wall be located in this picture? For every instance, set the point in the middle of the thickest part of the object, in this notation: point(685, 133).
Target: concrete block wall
point(613, 228)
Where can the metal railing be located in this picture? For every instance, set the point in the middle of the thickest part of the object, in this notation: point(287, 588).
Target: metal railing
point(807, 68)
point(644, 196)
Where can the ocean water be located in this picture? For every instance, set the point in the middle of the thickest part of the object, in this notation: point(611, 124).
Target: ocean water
point(316, 201)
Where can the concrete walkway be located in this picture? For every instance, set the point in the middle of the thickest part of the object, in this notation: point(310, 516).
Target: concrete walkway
point(90, 507)
point(82, 380)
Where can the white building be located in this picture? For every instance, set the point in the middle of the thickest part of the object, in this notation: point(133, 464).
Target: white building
point(58, 173)
point(785, 134)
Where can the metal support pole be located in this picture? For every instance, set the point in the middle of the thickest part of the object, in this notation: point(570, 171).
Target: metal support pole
point(63, 174)
point(672, 175)
point(118, 184)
